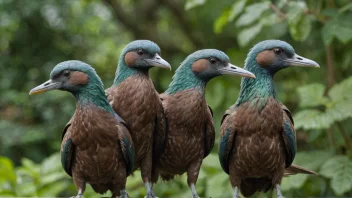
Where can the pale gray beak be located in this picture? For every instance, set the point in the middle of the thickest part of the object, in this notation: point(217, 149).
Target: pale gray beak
point(157, 61)
point(47, 86)
point(236, 71)
point(300, 61)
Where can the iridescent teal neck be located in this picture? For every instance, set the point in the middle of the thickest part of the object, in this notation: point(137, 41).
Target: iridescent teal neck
point(93, 93)
point(123, 71)
point(185, 79)
point(258, 90)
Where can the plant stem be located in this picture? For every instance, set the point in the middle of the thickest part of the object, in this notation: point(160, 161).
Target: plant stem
point(330, 63)
point(345, 136)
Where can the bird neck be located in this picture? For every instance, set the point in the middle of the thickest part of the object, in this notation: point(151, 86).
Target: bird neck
point(123, 72)
point(93, 94)
point(185, 79)
point(257, 90)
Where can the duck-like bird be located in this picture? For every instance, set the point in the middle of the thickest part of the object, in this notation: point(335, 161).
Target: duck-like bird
point(96, 145)
point(135, 99)
point(257, 138)
point(191, 133)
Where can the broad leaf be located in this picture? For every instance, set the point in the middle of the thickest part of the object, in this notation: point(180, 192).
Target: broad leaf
point(311, 95)
point(247, 34)
point(221, 21)
point(312, 119)
point(193, 3)
point(253, 13)
point(236, 9)
point(341, 91)
point(339, 168)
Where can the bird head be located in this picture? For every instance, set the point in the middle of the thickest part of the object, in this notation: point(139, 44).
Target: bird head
point(274, 55)
point(143, 54)
point(200, 67)
point(72, 76)
point(209, 63)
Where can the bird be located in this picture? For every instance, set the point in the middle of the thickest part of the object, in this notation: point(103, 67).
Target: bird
point(134, 98)
point(96, 145)
point(190, 128)
point(257, 136)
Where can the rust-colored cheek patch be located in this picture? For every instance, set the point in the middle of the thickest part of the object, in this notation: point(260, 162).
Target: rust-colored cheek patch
point(200, 65)
point(78, 78)
point(265, 58)
point(131, 58)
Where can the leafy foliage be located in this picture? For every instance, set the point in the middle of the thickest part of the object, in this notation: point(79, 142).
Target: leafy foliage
point(337, 106)
point(36, 35)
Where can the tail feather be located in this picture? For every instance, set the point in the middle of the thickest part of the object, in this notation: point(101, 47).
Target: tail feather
point(100, 188)
point(295, 169)
point(249, 186)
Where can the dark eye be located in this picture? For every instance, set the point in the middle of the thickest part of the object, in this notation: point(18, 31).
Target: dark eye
point(278, 51)
point(212, 60)
point(66, 73)
point(140, 52)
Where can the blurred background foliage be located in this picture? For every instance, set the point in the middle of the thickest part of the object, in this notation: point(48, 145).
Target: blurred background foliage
point(36, 35)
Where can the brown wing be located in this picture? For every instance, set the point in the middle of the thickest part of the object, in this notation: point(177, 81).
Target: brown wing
point(126, 144)
point(160, 132)
point(67, 148)
point(209, 133)
point(288, 135)
point(227, 138)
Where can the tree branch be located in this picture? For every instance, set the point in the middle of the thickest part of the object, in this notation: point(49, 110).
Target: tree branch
point(330, 63)
point(281, 15)
point(143, 28)
point(185, 26)
point(345, 136)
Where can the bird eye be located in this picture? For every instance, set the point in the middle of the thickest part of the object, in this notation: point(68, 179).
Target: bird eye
point(140, 52)
point(66, 73)
point(212, 60)
point(278, 51)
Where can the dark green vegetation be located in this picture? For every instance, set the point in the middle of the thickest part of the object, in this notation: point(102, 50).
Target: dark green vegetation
point(36, 35)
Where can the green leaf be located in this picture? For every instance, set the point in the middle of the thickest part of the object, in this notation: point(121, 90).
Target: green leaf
point(248, 34)
point(339, 168)
point(312, 119)
point(6, 170)
point(311, 95)
point(253, 13)
point(295, 11)
point(236, 9)
point(301, 30)
point(51, 164)
point(339, 27)
point(193, 3)
point(299, 24)
point(305, 159)
point(269, 20)
point(219, 185)
point(342, 91)
point(340, 111)
point(293, 182)
point(221, 21)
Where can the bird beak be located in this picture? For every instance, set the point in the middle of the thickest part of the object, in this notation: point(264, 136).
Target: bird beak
point(300, 61)
point(157, 61)
point(236, 71)
point(47, 86)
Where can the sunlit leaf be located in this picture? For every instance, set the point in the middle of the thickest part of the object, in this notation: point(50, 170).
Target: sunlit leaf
point(252, 13)
point(312, 119)
point(339, 168)
point(247, 34)
point(236, 9)
point(221, 21)
point(193, 3)
point(311, 95)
